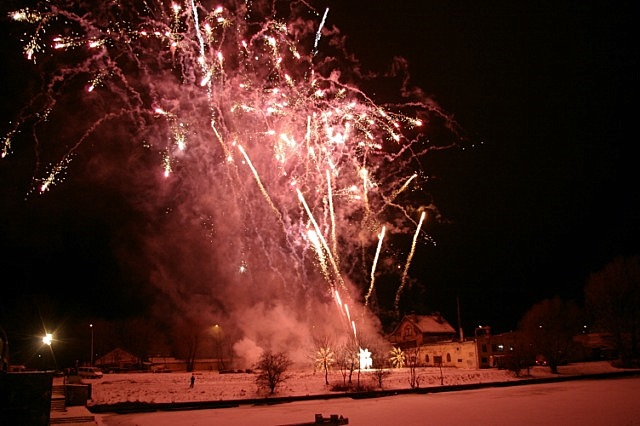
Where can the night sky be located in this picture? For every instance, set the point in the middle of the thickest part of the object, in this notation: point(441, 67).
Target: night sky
point(541, 193)
point(546, 193)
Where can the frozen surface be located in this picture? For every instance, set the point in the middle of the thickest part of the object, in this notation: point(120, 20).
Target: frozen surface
point(581, 402)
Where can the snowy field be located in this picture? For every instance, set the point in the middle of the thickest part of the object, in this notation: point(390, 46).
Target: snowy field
point(606, 402)
point(212, 386)
point(610, 402)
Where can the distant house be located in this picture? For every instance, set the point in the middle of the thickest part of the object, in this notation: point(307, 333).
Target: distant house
point(165, 364)
point(417, 330)
point(595, 347)
point(495, 349)
point(430, 341)
point(118, 360)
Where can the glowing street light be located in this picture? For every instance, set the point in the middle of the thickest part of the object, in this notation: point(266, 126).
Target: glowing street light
point(217, 346)
point(47, 339)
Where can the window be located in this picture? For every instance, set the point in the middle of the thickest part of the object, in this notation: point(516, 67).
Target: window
point(484, 348)
point(408, 331)
point(448, 357)
point(437, 360)
point(426, 358)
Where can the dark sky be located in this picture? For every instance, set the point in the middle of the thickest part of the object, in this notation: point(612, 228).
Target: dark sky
point(550, 195)
point(543, 193)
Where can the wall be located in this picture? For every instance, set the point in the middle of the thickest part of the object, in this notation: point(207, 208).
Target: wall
point(461, 354)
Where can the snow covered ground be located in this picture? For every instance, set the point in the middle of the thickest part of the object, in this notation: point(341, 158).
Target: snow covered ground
point(583, 402)
point(212, 386)
point(607, 402)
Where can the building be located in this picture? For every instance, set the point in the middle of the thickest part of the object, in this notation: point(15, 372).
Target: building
point(449, 354)
point(494, 350)
point(118, 360)
point(430, 341)
point(417, 330)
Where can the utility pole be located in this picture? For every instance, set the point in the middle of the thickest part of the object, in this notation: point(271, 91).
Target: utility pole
point(459, 322)
point(91, 327)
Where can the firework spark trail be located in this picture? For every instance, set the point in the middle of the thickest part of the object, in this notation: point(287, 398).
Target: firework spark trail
point(323, 241)
point(322, 259)
point(405, 272)
point(373, 267)
point(401, 189)
point(224, 78)
point(332, 215)
point(319, 32)
point(260, 185)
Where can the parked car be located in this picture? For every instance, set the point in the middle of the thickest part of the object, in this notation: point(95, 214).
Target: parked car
point(90, 372)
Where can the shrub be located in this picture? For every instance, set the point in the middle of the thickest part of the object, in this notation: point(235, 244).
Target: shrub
point(271, 370)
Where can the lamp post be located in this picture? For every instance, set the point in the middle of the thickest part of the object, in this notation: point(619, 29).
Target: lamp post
point(219, 355)
point(91, 327)
point(47, 340)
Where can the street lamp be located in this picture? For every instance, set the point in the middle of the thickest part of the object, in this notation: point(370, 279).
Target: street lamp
point(218, 354)
point(91, 327)
point(47, 339)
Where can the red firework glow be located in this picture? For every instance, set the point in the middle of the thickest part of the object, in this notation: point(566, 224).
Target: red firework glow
point(262, 130)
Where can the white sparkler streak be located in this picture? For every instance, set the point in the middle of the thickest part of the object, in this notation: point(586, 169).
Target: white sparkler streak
point(373, 267)
point(336, 296)
point(334, 240)
point(336, 271)
point(319, 32)
point(225, 148)
point(365, 188)
point(406, 266)
point(260, 185)
point(194, 10)
point(313, 237)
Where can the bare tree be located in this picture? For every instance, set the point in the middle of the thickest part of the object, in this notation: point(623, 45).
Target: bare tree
point(412, 360)
point(521, 355)
point(188, 334)
point(380, 363)
point(612, 296)
point(550, 326)
point(271, 370)
point(222, 348)
point(380, 373)
point(325, 358)
point(347, 361)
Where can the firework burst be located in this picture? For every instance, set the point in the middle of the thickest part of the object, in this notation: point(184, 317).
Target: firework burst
point(257, 113)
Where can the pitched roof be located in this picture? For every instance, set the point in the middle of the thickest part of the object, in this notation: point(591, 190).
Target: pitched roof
point(434, 323)
point(115, 356)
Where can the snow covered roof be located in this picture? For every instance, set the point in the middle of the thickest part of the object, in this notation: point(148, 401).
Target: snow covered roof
point(433, 323)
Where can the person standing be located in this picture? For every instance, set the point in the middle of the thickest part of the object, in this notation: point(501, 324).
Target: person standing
point(193, 380)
